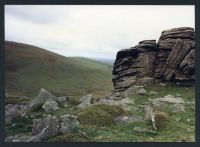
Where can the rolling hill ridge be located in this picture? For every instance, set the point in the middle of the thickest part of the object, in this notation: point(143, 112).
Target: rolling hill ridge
point(29, 68)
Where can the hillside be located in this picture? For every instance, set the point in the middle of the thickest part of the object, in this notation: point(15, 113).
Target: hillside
point(29, 68)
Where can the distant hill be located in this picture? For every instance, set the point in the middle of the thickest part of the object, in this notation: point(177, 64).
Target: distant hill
point(106, 61)
point(29, 68)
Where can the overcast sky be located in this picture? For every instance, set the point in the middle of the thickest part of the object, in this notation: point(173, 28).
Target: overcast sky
point(91, 31)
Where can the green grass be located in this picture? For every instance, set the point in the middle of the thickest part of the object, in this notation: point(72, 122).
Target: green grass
point(100, 115)
point(19, 125)
point(186, 92)
point(17, 100)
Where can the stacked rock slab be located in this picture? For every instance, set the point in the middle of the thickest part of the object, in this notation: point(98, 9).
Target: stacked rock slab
point(134, 63)
point(171, 59)
point(175, 60)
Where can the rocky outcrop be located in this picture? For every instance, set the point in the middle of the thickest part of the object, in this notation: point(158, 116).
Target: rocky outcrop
point(171, 59)
point(134, 63)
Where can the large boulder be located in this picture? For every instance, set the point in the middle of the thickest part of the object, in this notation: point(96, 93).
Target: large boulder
point(39, 100)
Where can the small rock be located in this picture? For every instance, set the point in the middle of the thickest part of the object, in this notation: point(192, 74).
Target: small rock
point(85, 101)
point(163, 84)
point(188, 120)
point(142, 91)
point(189, 130)
point(153, 93)
point(178, 95)
point(50, 105)
point(13, 125)
point(138, 129)
point(176, 108)
point(127, 119)
point(178, 119)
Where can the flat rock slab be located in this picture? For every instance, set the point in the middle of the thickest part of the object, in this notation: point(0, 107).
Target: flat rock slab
point(128, 119)
point(171, 99)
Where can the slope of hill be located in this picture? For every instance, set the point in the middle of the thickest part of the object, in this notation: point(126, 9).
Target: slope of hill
point(29, 68)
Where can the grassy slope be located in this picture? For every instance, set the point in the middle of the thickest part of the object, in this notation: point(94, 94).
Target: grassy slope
point(36, 68)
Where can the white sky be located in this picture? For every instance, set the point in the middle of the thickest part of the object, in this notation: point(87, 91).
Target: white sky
point(91, 31)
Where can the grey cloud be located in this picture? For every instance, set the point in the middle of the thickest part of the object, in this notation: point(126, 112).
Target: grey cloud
point(32, 14)
point(92, 31)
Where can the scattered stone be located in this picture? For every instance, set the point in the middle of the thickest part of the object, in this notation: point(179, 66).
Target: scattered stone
point(177, 108)
point(178, 119)
point(13, 111)
point(175, 104)
point(153, 93)
point(126, 103)
point(50, 105)
point(128, 119)
point(188, 121)
point(145, 131)
point(50, 124)
point(142, 91)
point(178, 95)
point(163, 84)
point(138, 129)
point(189, 130)
point(167, 99)
point(85, 101)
